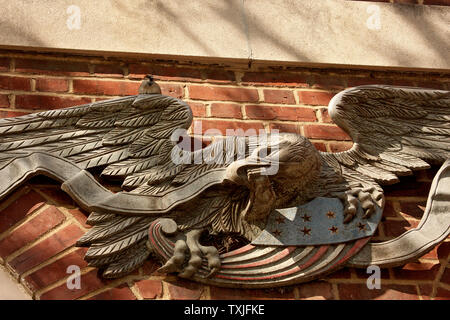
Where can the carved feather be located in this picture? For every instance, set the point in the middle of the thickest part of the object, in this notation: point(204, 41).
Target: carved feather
point(399, 127)
point(107, 229)
point(128, 262)
point(100, 157)
point(114, 246)
point(97, 218)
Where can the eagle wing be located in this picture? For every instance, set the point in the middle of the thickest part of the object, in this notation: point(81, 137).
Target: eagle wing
point(133, 140)
point(125, 137)
point(395, 131)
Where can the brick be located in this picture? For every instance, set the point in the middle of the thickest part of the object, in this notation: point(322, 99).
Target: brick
point(198, 109)
point(34, 102)
point(317, 290)
point(389, 210)
point(340, 146)
point(443, 251)
point(361, 292)
point(56, 270)
point(10, 114)
point(149, 267)
point(52, 85)
point(19, 209)
point(46, 249)
point(264, 112)
point(108, 70)
point(328, 82)
point(40, 180)
point(15, 83)
point(437, 2)
point(279, 96)
point(368, 80)
point(362, 273)
point(377, 231)
point(56, 195)
point(276, 79)
point(413, 209)
point(105, 87)
point(343, 273)
point(226, 110)
point(315, 98)
point(442, 294)
point(164, 72)
point(173, 90)
point(119, 293)
point(417, 271)
point(223, 93)
point(89, 282)
point(320, 146)
point(426, 291)
point(431, 85)
point(219, 76)
point(4, 64)
point(218, 293)
point(408, 187)
point(325, 116)
point(285, 127)
point(353, 82)
point(325, 132)
point(432, 255)
point(80, 216)
point(404, 82)
point(4, 101)
point(184, 290)
point(394, 228)
point(425, 175)
point(221, 126)
point(31, 230)
point(52, 67)
point(150, 289)
point(445, 278)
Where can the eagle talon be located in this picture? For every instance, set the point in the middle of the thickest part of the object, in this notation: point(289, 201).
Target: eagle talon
point(191, 247)
point(367, 199)
point(175, 263)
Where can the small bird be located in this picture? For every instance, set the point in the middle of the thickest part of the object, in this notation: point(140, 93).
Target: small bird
point(149, 86)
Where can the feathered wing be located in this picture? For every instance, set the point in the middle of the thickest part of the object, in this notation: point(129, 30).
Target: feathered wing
point(126, 137)
point(117, 244)
point(395, 131)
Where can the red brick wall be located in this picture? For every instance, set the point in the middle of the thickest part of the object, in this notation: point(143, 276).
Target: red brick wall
point(39, 224)
point(425, 2)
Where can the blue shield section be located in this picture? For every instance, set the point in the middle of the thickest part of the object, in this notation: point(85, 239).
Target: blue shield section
point(318, 222)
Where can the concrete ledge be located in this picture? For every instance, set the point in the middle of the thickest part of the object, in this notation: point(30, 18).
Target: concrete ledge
point(11, 290)
point(307, 32)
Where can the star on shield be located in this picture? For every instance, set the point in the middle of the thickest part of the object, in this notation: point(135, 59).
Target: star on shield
point(276, 232)
point(306, 218)
point(280, 219)
point(331, 215)
point(306, 231)
point(333, 229)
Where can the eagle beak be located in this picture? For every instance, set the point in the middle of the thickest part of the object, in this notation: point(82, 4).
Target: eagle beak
point(237, 171)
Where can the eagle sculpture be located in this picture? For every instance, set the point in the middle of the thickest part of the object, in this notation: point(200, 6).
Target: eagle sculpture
point(141, 141)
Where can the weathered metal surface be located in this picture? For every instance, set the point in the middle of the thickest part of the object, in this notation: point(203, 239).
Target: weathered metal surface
point(306, 218)
point(318, 222)
point(433, 228)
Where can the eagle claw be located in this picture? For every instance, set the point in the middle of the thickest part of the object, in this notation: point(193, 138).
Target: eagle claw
point(191, 250)
point(366, 197)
